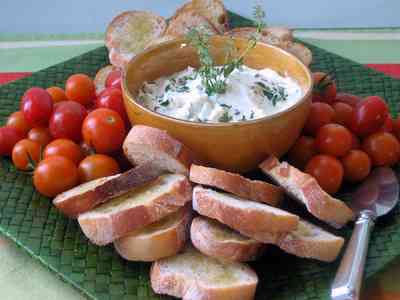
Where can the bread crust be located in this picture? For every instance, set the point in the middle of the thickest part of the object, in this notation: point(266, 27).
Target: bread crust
point(181, 24)
point(255, 190)
point(102, 229)
point(101, 77)
point(204, 236)
point(74, 202)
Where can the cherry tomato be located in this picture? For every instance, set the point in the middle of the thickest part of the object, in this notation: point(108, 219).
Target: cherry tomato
point(40, 135)
point(327, 170)
point(9, 136)
point(65, 148)
point(343, 113)
point(356, 165)
point(57, 94)
point(333, 139)
point(320, 115)
point(324, 88)
point(383, 148)
point(104, 130)
point(37, 106)
point(355, 142)
point(86, 149)
point(18, 121)
point(114, 79)
point(349, 99)
point(26, 154)
point(97, 166)
point(80, 88)
point(112, 98)
point(396, 127)
point(388, 126)
point(369, 116)
point(66, 121)
point(302, 151)
point(55, 175)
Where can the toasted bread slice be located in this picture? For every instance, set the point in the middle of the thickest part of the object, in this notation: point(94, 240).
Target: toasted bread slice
point(159, 40)
point(130, 32)
point(137, 209)
point(184, 22)
point(307, 191)
point(194, 276)
point(255, 190)
point(217, 240)
point(161, 239)
point(86, 196)
point(101, 77)
point(284, 34)
point(248, 217)
point(266, 36)
point(145, 144)
point(300, 51)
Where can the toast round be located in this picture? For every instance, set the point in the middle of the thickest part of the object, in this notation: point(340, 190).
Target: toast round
point(158, 240)
point(145, 144)
point(181, 24)
point(130, 32)
point(255, 190)
point(214, 239)
point(101, 77)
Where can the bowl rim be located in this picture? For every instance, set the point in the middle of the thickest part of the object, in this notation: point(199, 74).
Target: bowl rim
point(183, 43)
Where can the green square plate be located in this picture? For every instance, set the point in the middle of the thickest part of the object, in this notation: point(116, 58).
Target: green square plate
point(30, 220)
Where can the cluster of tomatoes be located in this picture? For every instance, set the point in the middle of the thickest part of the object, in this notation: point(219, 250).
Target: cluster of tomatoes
point(67, 137)
point(345, 136)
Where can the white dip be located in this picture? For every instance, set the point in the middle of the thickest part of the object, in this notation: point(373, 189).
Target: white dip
point(250, 94)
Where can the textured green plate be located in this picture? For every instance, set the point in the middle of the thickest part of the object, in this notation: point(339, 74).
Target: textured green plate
point(98, 272)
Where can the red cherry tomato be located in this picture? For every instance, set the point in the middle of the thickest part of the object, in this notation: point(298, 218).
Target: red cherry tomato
point(40, 135)
point(9, 136)
point(37, 106)
point(57, 94)
point(383, 148)
point(55, 175)
point(302, 151)
point(104, 130)
point(396, 127)
point(333, 139)
point(388, 126)
point(97, 166)
point(112, 98)
point(327, 170)
point(356, 165)
point(80, 88)
point(369, 116)
point(343, 113)
point(324, 88)
point(66, 121)
point(18, 121)
point(65, 148)
point(26, 154)
point(355, 142)
point(114, 79)
point(320, 115)
point(349, 99)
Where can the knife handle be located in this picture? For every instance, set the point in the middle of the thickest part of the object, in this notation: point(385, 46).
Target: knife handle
point(347, 283)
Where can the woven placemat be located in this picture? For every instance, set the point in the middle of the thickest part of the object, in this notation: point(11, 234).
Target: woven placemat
point(34, 224)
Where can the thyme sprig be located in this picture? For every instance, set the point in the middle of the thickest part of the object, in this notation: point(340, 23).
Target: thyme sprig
point(274, 93)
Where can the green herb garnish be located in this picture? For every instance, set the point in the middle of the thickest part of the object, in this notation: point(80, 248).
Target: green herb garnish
point(274, 93)
point(225, 117)
point(164, 103)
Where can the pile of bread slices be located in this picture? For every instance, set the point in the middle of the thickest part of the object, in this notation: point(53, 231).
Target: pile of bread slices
point(131, 32)
point(198, 225)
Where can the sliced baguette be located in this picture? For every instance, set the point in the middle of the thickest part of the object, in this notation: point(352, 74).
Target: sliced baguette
point(307, 191)
point(250, 218)
point(284, 34)
point(88, 195)
point(101, 77)
point(158, 240)
point(266, 36)
point(137, 209)
point(255, 190)
point(184, 22)
point(217, 240)
point(145, 144)
point(194, 276)
point(129, 33)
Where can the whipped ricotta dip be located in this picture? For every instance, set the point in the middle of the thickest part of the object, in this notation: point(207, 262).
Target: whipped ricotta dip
point(249, 94)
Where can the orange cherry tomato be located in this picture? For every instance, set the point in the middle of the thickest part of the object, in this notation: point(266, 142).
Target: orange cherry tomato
point(40, 135)
point(86, 149)
point(26, 154)
point(327, 170)
point(104, 130)
point(9, 136)
point(65, 148)
point(320, 114)
point(356, 165)
point(18, 121)
point(324, 88)
point(343, 113)
point(302, 151)
point(383, 148)
point(57, 94)
point(97, 166)
point(80, 88)
point(54, 175)
point(334, 139)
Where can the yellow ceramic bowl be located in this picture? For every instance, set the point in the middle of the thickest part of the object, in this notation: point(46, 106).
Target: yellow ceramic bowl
point(236, 146)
